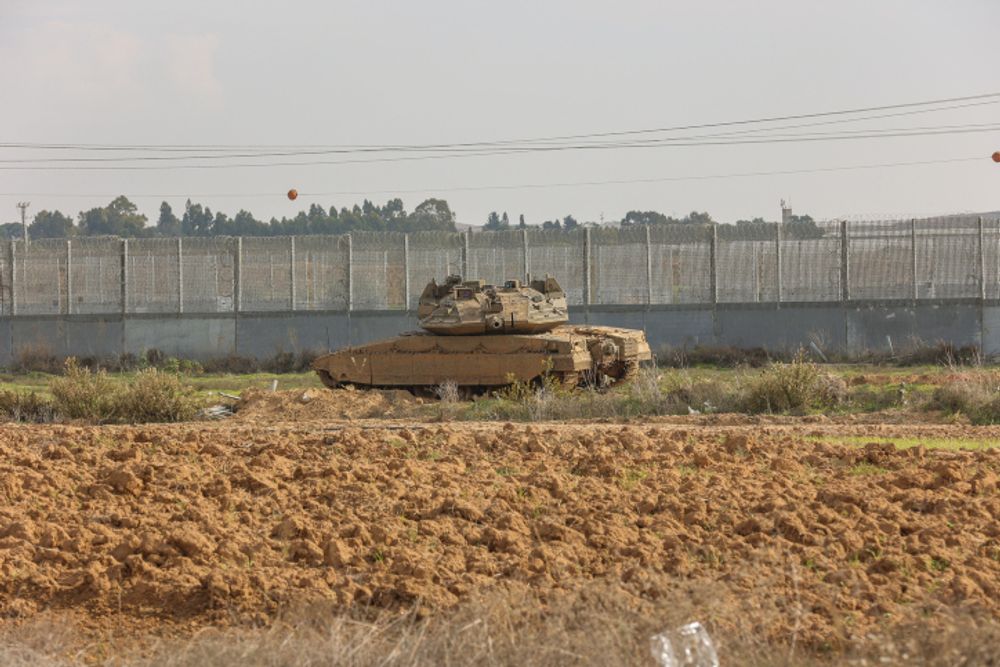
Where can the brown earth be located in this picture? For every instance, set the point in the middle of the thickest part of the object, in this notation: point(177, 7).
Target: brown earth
point(169, 528)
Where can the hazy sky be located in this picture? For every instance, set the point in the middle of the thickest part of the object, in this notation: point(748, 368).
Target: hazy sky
point(372, 72)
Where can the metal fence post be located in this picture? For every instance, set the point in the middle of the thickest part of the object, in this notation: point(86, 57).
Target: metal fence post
point(845, 268)
point(649, 267)
point(123, 272)
point(586, 266)
point(913, 257)
point(465, 255)
point(68, 309)
point(13, 274)
point(406, 271)
point(713, 247)
point(350, 274)
point(180, 275)
point(238, 275)
point(291, 271)
point(981, 259)
point(777, 261)
point(524, 255)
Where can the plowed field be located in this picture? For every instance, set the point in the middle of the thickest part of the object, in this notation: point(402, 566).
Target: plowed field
point(168, 529)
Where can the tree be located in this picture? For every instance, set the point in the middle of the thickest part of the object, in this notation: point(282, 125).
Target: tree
point(432, 214)
point(645, 218)
point(196, 221)
point(496, 223)
point(167, 224)
point(569, 222)
point(119, 218)
point(51, 225)
point(520, 222)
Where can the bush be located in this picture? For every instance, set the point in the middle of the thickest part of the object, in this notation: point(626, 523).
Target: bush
point(156, 396)
point(38, 358)
point(795, 386)
point(976, 395)
point(25, 407)
point(83, 394)
point(150, 396)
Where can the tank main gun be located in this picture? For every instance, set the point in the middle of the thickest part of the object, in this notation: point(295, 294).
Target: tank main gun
point(472, 307)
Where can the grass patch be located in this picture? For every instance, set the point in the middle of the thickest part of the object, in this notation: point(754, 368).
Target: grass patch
point(952, 444)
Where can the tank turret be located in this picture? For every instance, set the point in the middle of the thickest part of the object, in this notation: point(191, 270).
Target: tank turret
point(471, 307)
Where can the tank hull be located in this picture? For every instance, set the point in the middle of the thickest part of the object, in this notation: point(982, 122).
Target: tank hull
point(422, 360)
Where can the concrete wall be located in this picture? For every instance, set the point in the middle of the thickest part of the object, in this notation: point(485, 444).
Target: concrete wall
point(852, 328)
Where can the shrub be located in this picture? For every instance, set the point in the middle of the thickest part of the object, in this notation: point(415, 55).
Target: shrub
point(151, 396)
point(156, 396)
point(976, 395)
point(83, 394)
point(795, 386)
point(38, 358)
point(25, 407)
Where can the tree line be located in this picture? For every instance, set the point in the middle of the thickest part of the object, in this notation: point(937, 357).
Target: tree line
point(122, 218)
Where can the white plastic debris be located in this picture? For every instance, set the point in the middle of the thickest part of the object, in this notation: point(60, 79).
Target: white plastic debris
point(686, 646)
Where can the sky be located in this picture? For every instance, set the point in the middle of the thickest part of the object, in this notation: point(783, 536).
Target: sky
point(332, 73)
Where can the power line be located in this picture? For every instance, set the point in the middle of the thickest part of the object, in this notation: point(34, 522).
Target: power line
point(986, 98)
point(509, 151)
point(526, 186)
point(754, 137)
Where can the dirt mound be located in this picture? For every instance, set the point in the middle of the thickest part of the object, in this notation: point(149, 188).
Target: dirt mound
point(232, 522)
point(319, 404)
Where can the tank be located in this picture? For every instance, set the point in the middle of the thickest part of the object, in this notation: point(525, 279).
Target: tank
point(483, 336)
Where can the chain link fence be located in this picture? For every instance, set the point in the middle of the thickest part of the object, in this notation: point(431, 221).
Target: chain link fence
point(957, 257)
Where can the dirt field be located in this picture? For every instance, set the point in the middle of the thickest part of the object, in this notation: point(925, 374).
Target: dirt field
point(770, 528)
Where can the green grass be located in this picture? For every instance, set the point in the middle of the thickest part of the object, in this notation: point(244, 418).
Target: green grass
point(953, 444)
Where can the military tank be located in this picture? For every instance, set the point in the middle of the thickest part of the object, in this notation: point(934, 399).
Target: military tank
point(483, 336)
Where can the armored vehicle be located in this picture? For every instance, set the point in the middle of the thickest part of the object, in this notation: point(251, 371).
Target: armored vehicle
point(482, 336)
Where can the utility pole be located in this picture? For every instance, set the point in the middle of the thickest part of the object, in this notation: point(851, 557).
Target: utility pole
point(23, 205)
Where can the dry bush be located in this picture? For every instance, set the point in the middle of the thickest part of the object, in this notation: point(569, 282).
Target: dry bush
point(38, 358)
point(792, 387)
point(150, 396)
point(976, 395)
point(156, 396)
point(25, 407)
point(83, 394)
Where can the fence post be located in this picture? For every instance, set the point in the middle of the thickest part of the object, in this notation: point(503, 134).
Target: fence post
point(712, 254)
point(180, 275)
point(350, 274)
point(406, 271)
point(124, 275)
point(845, 269)
point(913, 257)
point(291, 271)
point(465, 255)
point(649, 267)
point(524, 255)
point(777, 260)
point(13, 274)
point(981, 259)
point(238, 275)
point(69, 279)
point(586, 266)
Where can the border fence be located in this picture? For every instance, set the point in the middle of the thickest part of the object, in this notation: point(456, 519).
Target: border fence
point(957, 257)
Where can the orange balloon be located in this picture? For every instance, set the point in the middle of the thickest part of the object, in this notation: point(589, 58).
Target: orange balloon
point(293, 194)
point(996, 156)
